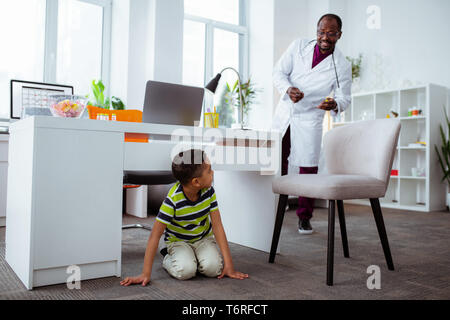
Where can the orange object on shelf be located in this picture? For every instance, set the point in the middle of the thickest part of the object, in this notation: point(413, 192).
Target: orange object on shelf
point(121, 115)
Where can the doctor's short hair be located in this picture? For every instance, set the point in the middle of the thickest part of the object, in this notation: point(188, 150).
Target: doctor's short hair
point(188, 165)
point(332, 16)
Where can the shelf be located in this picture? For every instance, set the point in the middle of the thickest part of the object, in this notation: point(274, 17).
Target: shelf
point(407, 189)
point(390, 205)
point(365, 93)
point(408, 177)
point(412, 118)
point(412, 148)
point(413, 178)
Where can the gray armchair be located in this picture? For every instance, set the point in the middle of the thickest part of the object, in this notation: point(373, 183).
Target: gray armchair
point(358, 159)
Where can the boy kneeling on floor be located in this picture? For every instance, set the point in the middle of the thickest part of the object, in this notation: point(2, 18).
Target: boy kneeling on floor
point(191, 220)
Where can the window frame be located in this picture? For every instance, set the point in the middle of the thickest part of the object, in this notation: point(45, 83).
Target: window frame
point(243, 32)
point(51, 40)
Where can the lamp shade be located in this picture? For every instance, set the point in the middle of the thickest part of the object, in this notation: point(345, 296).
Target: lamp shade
point(212, 85)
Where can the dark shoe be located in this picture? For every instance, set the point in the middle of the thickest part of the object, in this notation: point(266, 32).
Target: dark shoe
point(304, 227)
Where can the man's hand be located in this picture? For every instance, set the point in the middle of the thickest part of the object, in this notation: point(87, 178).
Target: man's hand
point(328, 104)
point(142, 279)
point(295, 94)
point(231, 273)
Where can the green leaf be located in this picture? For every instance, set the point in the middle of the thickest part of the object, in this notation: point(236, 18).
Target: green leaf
point(95, 90)
point(444, 158)
point(101, 86)
point(117, 104)
point(441, 163)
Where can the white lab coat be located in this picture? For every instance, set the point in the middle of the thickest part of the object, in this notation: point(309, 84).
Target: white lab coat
point(294, 69)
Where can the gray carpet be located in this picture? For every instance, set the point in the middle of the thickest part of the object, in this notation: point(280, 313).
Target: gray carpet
point(419, 244)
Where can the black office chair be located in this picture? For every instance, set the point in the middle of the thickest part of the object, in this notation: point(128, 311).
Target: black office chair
point(144, 178)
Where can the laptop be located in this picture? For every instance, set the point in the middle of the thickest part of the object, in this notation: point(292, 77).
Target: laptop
point(168, 103)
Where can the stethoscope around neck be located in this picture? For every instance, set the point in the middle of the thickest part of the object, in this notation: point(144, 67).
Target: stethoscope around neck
point(334, 62)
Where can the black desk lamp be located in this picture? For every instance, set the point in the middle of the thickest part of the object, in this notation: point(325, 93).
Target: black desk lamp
point(212, 86)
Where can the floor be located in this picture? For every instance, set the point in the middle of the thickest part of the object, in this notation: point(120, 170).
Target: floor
point(419, 244)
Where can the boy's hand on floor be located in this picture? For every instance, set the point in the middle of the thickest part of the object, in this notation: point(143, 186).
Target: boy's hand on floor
point(231, 273)
point(142, 279)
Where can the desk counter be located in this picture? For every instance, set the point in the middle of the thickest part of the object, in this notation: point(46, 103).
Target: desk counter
point(64, 195)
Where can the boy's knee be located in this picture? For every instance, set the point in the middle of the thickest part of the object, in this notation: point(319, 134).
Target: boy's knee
point(184, 270)
point(210, 267)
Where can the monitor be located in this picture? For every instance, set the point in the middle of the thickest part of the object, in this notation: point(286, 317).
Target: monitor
point(168, 103)
point(33, 96)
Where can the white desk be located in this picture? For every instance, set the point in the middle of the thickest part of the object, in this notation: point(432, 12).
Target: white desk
point(3, 176)
point(64, 196)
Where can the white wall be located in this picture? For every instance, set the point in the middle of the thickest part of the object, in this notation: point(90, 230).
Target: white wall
point(147, 44)
point(169, 23)
point(140, 52)
point(261, 42)
point(411, 47)
point(413, 41)
point(119, 48)
point(291, 21)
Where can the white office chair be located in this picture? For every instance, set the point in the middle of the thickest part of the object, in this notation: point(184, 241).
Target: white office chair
point(359, 159)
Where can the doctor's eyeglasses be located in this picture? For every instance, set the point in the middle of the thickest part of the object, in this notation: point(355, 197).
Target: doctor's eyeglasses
point(329, 34)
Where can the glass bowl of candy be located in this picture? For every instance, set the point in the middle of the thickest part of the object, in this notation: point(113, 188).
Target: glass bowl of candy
point(67, 106)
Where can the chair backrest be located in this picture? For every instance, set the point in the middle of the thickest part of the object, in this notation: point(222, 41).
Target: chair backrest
point(122, 115)
point(362, 148)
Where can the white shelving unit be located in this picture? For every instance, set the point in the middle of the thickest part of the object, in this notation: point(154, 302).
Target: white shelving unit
point(406, 191)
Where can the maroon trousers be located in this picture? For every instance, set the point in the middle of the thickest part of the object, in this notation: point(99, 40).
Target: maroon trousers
point(305, 205)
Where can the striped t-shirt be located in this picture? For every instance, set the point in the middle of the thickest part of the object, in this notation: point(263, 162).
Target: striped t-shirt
point(186, 220)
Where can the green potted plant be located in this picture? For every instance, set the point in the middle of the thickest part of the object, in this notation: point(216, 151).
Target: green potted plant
point(225, 109)
point(356, 71)
point(444, 158)
point(248, 96)
point(98, 89)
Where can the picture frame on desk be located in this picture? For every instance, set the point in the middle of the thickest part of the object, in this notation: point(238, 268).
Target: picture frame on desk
point(18, 88)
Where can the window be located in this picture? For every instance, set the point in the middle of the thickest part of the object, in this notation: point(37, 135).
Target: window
point(54, 41)
point(219, 10)
point(215, 37)
point(22, 25)
point(79, 45)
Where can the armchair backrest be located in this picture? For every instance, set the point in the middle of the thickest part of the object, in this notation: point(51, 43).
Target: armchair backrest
point(362, 148)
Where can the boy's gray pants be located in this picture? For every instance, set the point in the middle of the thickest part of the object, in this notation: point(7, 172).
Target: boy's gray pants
point(184, 259)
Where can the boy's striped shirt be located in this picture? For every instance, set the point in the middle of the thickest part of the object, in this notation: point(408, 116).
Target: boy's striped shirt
point(186, 220)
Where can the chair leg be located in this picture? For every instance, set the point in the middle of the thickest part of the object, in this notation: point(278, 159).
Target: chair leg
point(278, 223)
point(330, 253)
point(341, 214)
point(137, 226)
point(375, 203)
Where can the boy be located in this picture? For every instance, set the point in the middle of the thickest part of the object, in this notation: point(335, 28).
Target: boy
point(191, 220)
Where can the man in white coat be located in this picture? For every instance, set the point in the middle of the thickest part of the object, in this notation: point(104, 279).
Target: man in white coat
point(313, 77)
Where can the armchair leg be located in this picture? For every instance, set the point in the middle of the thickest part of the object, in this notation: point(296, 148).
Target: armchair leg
point(330, 252)
point(278, 223)
point(340, 206)
point(375, 203)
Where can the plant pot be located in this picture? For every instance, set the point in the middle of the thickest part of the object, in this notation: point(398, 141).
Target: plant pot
point(448, 200)
point(356, 85)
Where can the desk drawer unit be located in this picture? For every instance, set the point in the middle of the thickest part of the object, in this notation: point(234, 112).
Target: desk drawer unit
point(64, 204)
point(3, 176)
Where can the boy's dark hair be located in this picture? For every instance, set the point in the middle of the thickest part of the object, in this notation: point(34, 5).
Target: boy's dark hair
point(332, 16)
point(188, 165)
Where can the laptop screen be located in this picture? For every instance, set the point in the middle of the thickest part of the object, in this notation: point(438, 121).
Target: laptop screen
point(168, 103)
